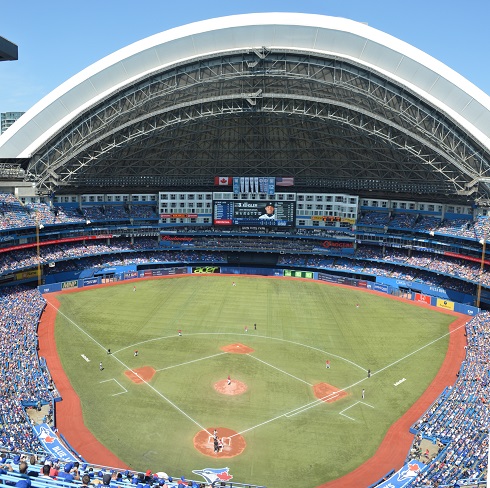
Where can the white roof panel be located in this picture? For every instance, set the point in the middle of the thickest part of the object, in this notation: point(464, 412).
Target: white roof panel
point(393, 58)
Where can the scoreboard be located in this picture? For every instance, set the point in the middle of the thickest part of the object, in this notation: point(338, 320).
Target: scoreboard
point(247, 212)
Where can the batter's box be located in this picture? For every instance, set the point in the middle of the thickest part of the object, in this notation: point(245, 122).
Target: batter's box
point(225, 440)
point(123, 390)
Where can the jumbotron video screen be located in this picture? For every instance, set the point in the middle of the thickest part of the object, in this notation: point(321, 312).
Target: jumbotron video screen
point(257, 213)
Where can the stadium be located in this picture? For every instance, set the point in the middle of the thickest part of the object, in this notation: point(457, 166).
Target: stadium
point(311, 160)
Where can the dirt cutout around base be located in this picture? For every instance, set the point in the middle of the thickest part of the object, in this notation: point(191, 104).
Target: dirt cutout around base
point(140, 375)
point(237, 349)
point(234, 388)
point(233, 443)
point(328, 393)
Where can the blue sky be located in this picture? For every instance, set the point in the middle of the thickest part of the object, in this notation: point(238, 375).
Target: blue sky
point(57, 39)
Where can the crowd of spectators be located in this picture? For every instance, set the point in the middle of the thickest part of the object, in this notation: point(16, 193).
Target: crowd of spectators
point(427, 223)
point(459, 419)
point(454, 227)
point(403, 221)
point(374, 219)
point(15, 215)
point(371, 262)
point(23, 380)
point(457, 227)
point(435, 269)
point(23, 470)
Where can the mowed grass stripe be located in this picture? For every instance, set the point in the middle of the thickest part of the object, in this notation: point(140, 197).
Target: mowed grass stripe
point(299, 326)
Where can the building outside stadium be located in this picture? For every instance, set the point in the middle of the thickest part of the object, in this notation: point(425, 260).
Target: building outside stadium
point(366, 148)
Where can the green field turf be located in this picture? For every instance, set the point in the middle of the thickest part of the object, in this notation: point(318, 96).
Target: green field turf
point(299, 325)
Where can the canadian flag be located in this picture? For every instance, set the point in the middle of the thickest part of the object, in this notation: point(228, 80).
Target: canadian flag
point(223, 181)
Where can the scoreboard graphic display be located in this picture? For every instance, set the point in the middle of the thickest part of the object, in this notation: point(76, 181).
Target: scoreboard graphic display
point(293, 273)
point(247, 212)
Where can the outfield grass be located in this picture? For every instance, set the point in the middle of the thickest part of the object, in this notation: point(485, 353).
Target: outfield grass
point(299, 325)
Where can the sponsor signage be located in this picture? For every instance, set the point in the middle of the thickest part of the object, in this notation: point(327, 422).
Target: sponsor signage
point(419, 297)
point(337, 245)
point(69, 284)
point(90, 281)
point(177, 238)
point(380, 287)
point(179, 216)
point(223, 222)
point(164, 271)
point(466, 258)
point(330, 218)
point(206, 269)
point(54, 241)
point(329, 278)
point(26, 274)
point(444, 304)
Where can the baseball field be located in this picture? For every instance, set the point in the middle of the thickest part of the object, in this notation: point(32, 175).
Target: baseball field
point(156, 399)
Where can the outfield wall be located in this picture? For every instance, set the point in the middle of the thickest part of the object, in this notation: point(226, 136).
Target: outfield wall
point(430, 295)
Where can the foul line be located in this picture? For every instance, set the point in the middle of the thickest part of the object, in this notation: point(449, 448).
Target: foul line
point(320, 401)
point(419, 349)
point(295, 411)
point(301, 409)
point(132, 371)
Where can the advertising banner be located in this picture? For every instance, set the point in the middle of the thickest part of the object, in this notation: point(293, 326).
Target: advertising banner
point(404, 476)
point(130, 274)
point(90, 281)
point(206, 269)
point(432, 290)
point(52, 444)
point(49, 288)
point(466, 309)
point(329, 278)
point(419, 297)
point(444, 304)
point(24, 275)
point(69, 284)
point(380, 287)
point(54, 241)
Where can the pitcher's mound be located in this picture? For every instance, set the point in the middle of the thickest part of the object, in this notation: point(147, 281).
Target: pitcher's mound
point(140, 375)
point(233, 443)
point(237, 349)
point(236, 387)
point(328, 393)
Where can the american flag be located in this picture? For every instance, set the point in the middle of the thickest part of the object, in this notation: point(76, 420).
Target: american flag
point(284, 181)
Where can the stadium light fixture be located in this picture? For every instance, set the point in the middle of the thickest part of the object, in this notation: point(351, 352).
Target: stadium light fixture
point(39, 226)
point(483, 243)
